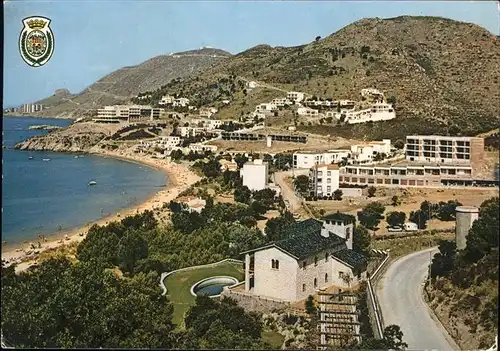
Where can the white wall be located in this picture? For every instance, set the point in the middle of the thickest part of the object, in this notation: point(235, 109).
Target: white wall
point(255, 176)
point(337, 267)
point(277, 283)
point(331, 181)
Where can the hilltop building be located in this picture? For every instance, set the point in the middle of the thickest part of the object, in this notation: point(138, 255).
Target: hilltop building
point(377, 112)
point(315, 254)
point(127, 113)
point(31, 108)
point(295, 96)
point(307, 159)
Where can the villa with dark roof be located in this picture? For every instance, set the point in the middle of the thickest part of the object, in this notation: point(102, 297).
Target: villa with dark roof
point(315, 254)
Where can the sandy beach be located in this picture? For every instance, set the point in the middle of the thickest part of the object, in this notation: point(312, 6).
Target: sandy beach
point(179, 176)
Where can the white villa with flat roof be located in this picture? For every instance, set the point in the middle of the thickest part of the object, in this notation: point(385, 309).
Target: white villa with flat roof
point(316, 254)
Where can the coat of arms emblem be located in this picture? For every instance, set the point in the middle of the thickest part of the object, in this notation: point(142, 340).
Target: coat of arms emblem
point(36, 42)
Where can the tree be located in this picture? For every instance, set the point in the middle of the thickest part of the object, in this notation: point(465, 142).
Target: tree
point(395, 201)
point(396, 219)
point(242, 194)
point(371, 191)
point(361, 240)
point(310, 305)
point(187, 222)
point(371, 215)
point(317, 38)
point(483, 236)
point(275, 227)
point(391, 100)
point(420, 218)
point(131, 248)
point(447, 210)
point(59, 304)
point(399, 144)
point(443, 261)
point(266, 196)
point(301, 184)
point(392, 340)
point(337, 195)
point(240, 160)
point(258, 207)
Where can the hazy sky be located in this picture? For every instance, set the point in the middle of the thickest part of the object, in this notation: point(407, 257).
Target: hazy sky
point(93, 38)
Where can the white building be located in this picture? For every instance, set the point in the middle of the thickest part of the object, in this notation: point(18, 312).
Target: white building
point(252, 85)
point(266, 107)
point(211, 124)
point(362, 153)
point(169, 141)
point(381, 147)
point(316, 254)
point(280, 102)
point(202, 147)
point(181, 102)
point(305, 159)
point(307, 111)
point(377, 112)
point(129, 113)
point(190, 131)
point(255, 175)
point(166, 100)
point(207, 112)
point(228, 165)
point(295, 96)
point(324, 179)
point(373, 94)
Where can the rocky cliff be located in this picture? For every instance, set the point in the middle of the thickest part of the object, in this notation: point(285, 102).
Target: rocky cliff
point(80, 137)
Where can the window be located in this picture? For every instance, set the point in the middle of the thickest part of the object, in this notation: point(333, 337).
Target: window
point(315, 282)
point(328, 173)
point(326, 257)
point(304, 264)
point(328, 189)
point(326, 277)
point(341, 275)
point(303, 287)
point(347, 233)
point(316, 260)
point(275, 264)
point(328, 180)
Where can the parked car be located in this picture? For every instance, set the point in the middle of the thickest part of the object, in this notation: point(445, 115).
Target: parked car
point(395, 229)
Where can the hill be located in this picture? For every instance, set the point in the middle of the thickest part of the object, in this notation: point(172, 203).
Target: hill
point(442, 73)
point(121, 85)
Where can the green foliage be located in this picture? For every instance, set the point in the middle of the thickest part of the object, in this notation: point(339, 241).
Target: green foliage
point(396, 219)
point(212, 324)
point(371, 215)
point(242, 194)
point(483, 236)
point(266, 196)
point(301, 183)
point(395, 201)
point(392, 340)
point(446, 211)
point(371, 191)
point(187, 222)
point(361, 240)
point(276, 226)
point(420, 218)
point(131, 248)
point(337, 195)
point(240, 160)
point(210, 169)
point(258, 207)
point(82, 305)
point(444, 260)
point(310, 305)
point(392, 100)
point(399, 144)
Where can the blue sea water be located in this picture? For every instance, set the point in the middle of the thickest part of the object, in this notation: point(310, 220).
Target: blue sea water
point(41, 197)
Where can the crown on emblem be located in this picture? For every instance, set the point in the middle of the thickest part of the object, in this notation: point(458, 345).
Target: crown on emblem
point(36, 24)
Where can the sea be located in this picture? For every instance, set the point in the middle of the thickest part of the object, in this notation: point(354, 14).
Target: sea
point(46, 197)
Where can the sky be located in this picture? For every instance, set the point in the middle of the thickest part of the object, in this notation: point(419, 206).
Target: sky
point(94, 38)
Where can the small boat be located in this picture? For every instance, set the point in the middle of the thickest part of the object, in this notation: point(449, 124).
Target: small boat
point(76, 156)
point(46, 159)
point(30, 158)
point(92, 182)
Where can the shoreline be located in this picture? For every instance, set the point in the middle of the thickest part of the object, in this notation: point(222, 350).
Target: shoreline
point(178, 176)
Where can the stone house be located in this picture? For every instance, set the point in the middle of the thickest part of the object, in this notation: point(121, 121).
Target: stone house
point(315, 254)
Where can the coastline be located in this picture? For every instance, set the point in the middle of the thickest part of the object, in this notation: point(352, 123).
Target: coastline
point(179, 179)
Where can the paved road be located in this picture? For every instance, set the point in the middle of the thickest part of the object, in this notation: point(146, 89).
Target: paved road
point(399, 293)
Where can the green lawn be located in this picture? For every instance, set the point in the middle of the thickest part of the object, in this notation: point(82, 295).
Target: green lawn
point(179, 285)
point(273, 338)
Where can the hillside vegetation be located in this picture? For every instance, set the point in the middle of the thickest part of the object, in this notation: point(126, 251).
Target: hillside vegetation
point(464, 290)
point(442, 73)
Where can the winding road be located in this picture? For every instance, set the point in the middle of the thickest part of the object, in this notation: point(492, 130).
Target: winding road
point(400, 297)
